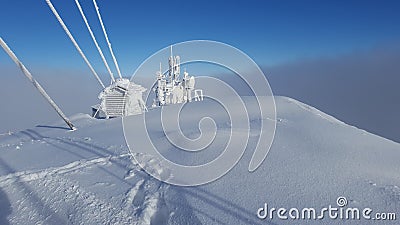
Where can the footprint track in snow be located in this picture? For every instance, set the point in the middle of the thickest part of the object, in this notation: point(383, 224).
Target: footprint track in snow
point(146, 196)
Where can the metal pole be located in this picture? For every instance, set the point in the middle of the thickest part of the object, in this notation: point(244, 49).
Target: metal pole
point(94, 40)
point(73, 41)
point(35, 83)
point(106, 36)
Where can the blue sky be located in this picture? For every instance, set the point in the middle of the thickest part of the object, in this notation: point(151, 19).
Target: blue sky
point(271, 32)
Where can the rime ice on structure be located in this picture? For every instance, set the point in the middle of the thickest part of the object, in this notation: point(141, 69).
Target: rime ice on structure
point(121, 98)
point(170, 89)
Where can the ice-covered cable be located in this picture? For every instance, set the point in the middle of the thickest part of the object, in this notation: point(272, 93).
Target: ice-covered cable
point(73, 41)
point(94, 40)
point(106, 36)
point(36, 84)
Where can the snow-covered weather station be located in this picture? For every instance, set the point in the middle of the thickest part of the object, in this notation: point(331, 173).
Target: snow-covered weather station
point(121, 98)
point(124, 97)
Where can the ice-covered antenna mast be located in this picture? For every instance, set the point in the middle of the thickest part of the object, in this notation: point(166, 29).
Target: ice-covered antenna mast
point(172, 60)
point(35, 83)
point(94, 40)
point(73, 41)
point(171, 64)
point(106, 36)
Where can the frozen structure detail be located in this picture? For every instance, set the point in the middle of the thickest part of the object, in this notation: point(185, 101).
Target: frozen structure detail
point(170, 89)
point(121, 98)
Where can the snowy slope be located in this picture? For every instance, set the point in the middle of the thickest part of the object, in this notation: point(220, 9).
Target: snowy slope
point(49, 175)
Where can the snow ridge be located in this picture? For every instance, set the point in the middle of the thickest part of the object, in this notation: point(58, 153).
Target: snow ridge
point(314, 111)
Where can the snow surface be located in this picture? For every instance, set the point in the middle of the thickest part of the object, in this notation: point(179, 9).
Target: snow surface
point(49, 175)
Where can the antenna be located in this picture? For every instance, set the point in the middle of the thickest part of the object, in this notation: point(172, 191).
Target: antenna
point(94, 40)
point(106, 36)
point(171, 66)
point(35, 83)
point(73, 41)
